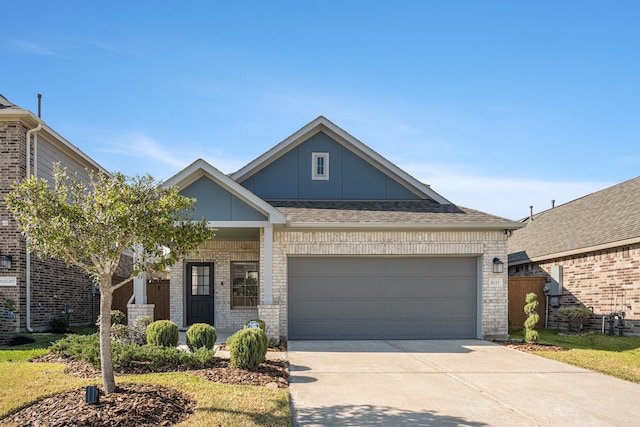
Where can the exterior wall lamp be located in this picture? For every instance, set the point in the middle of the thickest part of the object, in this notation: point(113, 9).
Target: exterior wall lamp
point(5, 262)
point(498, 266)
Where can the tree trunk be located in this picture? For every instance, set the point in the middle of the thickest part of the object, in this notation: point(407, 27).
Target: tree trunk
point(106, 359)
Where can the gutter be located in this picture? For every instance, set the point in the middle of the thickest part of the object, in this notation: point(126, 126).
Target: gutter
point(506, 226)
point(28, 254)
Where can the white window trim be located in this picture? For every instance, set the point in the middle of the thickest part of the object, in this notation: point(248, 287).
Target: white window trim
point(314, 167)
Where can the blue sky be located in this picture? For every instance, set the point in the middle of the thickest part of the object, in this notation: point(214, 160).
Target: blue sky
point(497, 105)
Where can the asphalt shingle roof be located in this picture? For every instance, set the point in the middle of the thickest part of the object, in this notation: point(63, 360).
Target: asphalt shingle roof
point(423, 212)
point(607, 216)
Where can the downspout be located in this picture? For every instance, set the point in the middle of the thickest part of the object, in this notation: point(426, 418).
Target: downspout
point(28, 260)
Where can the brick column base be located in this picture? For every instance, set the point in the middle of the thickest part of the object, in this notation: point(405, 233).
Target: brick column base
point(270, 314)
point(136, 311)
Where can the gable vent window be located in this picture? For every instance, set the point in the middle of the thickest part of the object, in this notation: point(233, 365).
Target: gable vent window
point(320, 166)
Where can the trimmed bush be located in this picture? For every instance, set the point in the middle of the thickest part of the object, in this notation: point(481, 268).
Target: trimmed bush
point(530, 334)
point(248, 348)
point(575, 315)
point(260, 322)
point(201, 335)
point(58, 325)
point(120, 333)
point(162, 333)
point(138, 331)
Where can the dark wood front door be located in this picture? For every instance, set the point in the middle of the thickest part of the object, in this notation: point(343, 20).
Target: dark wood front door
point(200, 293)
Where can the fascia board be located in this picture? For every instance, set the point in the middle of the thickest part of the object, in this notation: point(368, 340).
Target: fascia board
point(350, 142)
point(507, 225)
point(201, 168)
point(579, 251)
point(31, 120)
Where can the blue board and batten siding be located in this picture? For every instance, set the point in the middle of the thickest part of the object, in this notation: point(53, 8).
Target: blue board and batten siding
point(350, 176)
point(217, 204)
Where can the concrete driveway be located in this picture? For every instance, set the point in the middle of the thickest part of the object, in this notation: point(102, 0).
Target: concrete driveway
point(449, 382)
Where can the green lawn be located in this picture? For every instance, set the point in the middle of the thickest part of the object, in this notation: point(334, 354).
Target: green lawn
point(218, 404)
point(611, 355)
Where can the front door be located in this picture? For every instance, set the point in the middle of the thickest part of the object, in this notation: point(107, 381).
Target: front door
point(199, 293)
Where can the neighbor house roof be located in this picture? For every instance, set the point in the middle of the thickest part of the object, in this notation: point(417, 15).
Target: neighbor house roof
point(9, 111)
point(322, 124)
point(386, 213)
point(601, 220)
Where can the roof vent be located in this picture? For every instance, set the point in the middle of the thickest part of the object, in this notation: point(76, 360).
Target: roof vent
point(531, 213)
point(553, 204)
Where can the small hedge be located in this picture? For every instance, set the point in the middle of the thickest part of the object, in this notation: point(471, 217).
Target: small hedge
point(248, 348)
point(575, 315)
point(163, 333)
point(157, 358)
point(201, 335)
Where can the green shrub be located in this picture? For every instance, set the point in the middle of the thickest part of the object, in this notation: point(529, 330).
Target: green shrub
point(575, 315)
point(248, 348)
point(530, 334)
point(58, 325)
point(121, 334)
point(157, 358)
point(138, 331)
point(118, 318)
point(163, 333)
point(201, 335)
point(260, 322)
point(80, 347)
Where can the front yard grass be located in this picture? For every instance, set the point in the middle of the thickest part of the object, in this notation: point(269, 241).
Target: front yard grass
point(24, 382)
point(610, 355)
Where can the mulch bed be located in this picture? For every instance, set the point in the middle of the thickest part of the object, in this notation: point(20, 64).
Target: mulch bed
point(531, 347)
point(132, 405)
point(137, 404)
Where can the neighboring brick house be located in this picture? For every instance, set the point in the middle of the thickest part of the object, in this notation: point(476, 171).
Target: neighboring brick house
point(323, 238)
point(592, 247)
point(41, 289)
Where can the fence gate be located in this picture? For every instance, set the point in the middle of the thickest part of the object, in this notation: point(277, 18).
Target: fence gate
point(519, 287)
point(157, 293)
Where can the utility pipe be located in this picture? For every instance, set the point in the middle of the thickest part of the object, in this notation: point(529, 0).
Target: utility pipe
point(28, 254)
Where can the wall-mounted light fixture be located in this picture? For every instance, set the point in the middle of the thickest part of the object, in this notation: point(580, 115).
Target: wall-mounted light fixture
point(498, 266)
point(5, 262)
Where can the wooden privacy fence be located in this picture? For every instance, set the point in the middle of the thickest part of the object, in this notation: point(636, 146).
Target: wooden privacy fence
point(157, 293)
point(519, 287)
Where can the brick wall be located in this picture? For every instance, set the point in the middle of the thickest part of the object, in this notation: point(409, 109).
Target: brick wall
point(607, 280)
point(486, 245)
point(53, 284)
point(222, 254)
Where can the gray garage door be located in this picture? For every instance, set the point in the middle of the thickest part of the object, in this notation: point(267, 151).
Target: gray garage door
point(382, 298)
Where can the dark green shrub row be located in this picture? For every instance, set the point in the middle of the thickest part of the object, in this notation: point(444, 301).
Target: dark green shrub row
point(201, 335)
point(87, 347)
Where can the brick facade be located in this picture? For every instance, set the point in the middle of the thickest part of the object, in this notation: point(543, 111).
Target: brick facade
point(484, 245)
point(54, 286)
point(222, 254)
point(607, 280)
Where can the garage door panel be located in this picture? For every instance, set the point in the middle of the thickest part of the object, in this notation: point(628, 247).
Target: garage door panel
point(387, 298)
point(356, 287)
point(311, 287)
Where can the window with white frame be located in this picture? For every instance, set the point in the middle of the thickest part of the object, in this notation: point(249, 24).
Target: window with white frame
point(244, 276)
point(320, 166)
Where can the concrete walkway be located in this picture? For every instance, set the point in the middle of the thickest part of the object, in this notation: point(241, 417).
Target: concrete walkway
point(455, 383)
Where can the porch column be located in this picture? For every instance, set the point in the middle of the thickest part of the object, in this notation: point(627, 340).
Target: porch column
point(140, 281)
point(267, 281)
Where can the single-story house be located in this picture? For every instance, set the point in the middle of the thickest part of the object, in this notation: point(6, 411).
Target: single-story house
point(323, 238)
point(41, 289)
point(588, 252)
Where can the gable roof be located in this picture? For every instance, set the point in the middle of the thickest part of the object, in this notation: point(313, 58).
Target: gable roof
point(201, 168)
point(322, 124)
point(601, 220)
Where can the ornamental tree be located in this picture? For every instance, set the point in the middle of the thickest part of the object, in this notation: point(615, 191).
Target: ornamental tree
point(90, 224)
point(530, 334)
